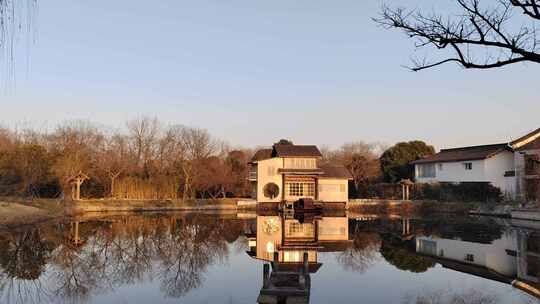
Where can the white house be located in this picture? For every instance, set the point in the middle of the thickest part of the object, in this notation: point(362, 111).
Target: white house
point(491, 163)
point(512, 167)
point(286, 173)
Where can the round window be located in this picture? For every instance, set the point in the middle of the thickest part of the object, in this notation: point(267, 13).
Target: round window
point(271, 190)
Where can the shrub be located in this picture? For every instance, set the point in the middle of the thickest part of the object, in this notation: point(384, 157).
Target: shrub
point(443, 192)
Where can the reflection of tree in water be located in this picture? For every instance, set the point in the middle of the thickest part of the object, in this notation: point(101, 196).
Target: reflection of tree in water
point(23, 256)
point(402, 255)
point(76, 273)
point(196, 244)
point(478, 230)
point(362, 254)
point(471, 296)
point(124, 251)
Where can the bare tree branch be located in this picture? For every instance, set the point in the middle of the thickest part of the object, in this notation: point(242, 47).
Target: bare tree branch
point(489, 31)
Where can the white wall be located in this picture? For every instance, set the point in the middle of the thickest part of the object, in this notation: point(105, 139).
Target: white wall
point(496, 166)
point(488, 170)
point(333, 229)
point(332, 195)
point(455, 172)
point(267, 172)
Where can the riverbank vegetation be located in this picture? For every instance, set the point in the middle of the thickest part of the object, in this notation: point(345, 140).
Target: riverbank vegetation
point(149, 160)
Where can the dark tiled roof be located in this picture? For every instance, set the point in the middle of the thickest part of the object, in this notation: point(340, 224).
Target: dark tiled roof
point(331, 171)
point(296, 151)
point(533, 145)
point(262, 155)
point(465, 153)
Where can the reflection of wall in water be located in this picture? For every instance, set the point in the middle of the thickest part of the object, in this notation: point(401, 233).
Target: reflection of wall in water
point(529, 256)
point(290, 239)
point(516, 254)
point(498, 256)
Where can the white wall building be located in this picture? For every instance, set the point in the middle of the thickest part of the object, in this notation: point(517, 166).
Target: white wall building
point(287, 173)
point(508, 166)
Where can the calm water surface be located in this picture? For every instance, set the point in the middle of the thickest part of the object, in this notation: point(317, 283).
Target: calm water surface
point(204, 258)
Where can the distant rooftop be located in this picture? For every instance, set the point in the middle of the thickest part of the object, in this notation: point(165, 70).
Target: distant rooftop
point(281, 150)
point(465, 153)
point(332, 171)
point(262, 155)
point(296, 151)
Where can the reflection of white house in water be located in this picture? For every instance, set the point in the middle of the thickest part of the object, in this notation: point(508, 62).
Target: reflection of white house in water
point(498, 256)
point(285, 242)
point(285, 239)
point(290, 172)
point(516, 255)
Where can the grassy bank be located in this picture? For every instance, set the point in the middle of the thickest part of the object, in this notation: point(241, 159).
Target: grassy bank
point(22, 211)
point(19, 211)
point(15, 210)
point(149, 205)
point(407, 207)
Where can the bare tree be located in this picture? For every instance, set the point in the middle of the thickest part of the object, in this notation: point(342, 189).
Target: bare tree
point(481, 36)
point(75, 145)
point(113, 159)
point(198, 145)
point(144, 132)
point(360, 158)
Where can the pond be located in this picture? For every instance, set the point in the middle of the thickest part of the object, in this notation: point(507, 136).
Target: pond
point(270, 258)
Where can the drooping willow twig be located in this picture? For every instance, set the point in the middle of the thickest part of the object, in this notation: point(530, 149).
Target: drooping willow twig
point(17, 19)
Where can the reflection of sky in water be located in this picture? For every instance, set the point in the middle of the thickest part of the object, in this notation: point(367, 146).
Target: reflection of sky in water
point(238, 279)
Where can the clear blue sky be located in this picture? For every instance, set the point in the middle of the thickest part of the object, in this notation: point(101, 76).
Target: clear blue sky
point(252, 72)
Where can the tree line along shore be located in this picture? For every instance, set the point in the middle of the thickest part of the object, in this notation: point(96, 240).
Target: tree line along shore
point(153, 161)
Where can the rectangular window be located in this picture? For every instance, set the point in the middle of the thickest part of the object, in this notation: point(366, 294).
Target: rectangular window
point(533, 265)
point(469, 257)
point(332, 231)
point(295, 189)
point(532, 164)
point(300, 163)
point(426, 170)
point(468, 166)
point(331, 188)
point(296, 229)
point(428, 247)
point(309, 189)
point(301, 189)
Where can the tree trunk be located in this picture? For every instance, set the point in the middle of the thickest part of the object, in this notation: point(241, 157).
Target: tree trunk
point(112, 186)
